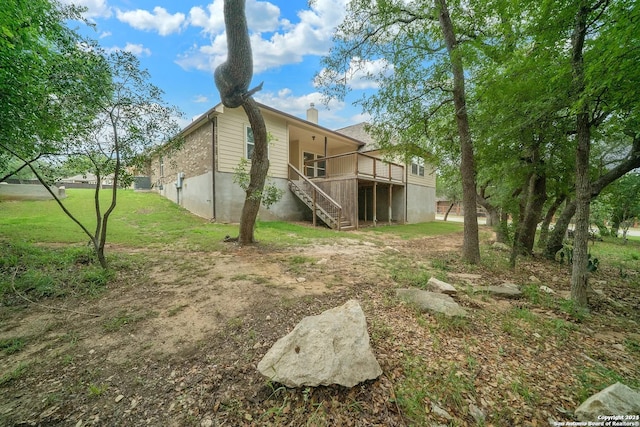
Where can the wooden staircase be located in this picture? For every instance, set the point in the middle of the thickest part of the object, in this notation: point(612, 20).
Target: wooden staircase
point(321, 204)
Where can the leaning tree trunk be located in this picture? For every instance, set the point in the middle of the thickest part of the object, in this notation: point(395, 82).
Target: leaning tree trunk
point(471, 242)
point(232, 80)
point(257, 174)
point(535, 198)
point(554, 244)
point(546, 222)
point(579, 274)
point(446, 214)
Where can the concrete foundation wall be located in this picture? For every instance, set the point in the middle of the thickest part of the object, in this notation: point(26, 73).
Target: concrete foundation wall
point(195, 195)
point(422, 203)
point(230, 199)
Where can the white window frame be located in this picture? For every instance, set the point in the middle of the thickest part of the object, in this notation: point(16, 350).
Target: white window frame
point(318, 170)
point(248, 131)
point(417, 166)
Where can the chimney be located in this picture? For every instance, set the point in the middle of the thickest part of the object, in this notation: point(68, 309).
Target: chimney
point(312, 114)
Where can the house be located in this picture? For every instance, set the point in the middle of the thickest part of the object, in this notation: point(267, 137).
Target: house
point(337, 174)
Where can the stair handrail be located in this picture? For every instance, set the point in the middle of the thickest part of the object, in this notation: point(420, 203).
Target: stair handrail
point(319, 191)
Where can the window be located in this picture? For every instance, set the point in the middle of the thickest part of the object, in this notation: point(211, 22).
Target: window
point(161, 166)
point(249, 141)
point(417, 166)
point(314, 169)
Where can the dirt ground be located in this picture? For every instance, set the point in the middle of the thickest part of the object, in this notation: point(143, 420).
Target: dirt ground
point(176, 343)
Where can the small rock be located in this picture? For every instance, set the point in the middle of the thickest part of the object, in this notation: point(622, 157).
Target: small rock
point(301, 279)
point(440, 412)
point(268, 317)
point(534, 279)
point(92, 351)
point(599, 292)
point(432, 301)
point(618, 347)
point(257, 346)
point(476, 413)
point(322, 261)
point(389, 248)
point(500, 291)
point(119, 398)
point(79, 423)
point(207, 422)
point(436, 285)
point(134, 403)
point(547, 289)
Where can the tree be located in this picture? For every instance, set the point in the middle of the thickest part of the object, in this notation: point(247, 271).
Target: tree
point(45, 78)
point(421, 101)
point(131, 119)
point(471, 243)
point(232, 79)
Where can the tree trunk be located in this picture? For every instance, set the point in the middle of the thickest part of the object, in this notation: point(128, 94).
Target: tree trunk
point(579, 274)
point(554, 244)
point(471, 242)
point(257, 174)
point(232, 79)
point(493, 217)
point(502, 230)
point(546, 222)
point(446, 215)
point(535, 198)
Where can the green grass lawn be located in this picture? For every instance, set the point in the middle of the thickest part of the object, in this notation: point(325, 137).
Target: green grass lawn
point(139, 220)
point(408, 231)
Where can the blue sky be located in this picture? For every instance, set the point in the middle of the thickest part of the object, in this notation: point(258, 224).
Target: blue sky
point(181, 43)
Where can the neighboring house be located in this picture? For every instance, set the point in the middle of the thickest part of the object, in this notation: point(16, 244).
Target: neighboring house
point(86, 178)
point(331, 171)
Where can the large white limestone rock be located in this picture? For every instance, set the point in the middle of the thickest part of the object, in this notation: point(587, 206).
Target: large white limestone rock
point(330, 348)
point(615, 400)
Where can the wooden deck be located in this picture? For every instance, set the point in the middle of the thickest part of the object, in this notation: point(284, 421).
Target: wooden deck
point(354, 165)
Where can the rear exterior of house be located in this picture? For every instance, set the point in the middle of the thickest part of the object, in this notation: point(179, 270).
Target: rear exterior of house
point(319, 170)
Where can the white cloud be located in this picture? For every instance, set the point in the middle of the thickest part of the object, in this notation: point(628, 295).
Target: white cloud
point(136, 49)
point(105, 34)
point(200, 99)
point(362, 74)
point(284, 100)
point(95, 8)
point(262, 16)
point(160, 20)
point(288, 43)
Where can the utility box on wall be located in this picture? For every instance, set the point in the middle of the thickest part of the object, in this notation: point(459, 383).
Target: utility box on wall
point(180, 180)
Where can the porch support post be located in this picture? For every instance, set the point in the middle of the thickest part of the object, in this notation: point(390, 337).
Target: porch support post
point(314, 207)
point(390, 200)
point(375, 206)
point(365, 204)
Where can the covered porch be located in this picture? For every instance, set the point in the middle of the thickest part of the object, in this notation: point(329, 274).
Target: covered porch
point(356, 187)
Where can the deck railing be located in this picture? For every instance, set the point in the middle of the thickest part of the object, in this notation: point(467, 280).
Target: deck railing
point(321, 204)
point(355, 164)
